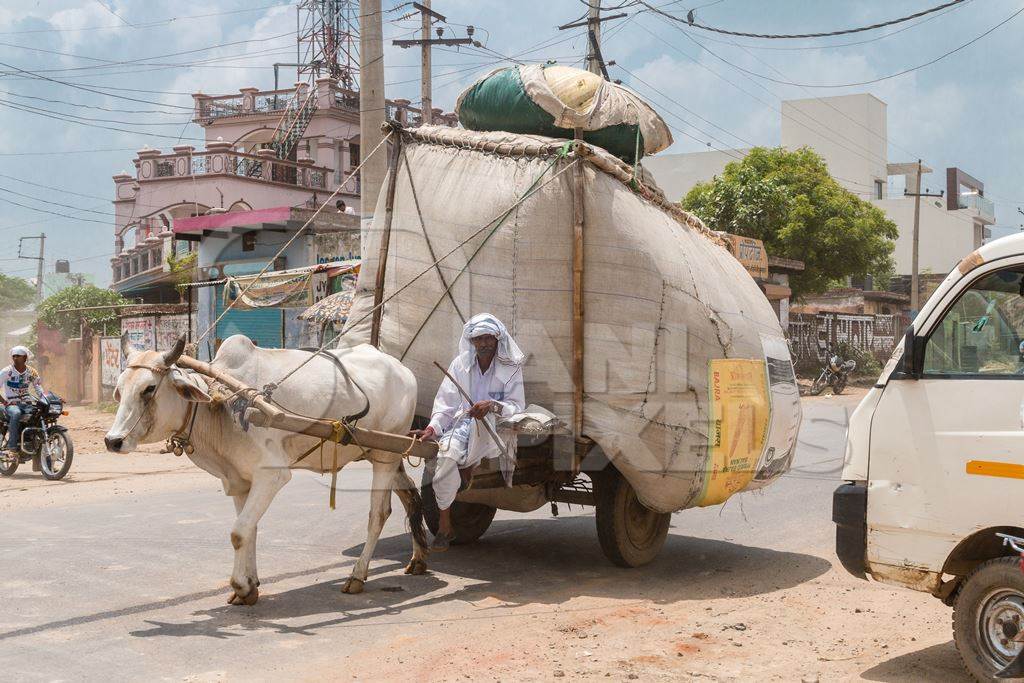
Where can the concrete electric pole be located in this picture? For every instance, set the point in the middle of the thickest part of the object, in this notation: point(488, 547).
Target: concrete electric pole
point(915, 287)
point(425, 43)
point(371, 106)
point(39, 268)
point(595, 62)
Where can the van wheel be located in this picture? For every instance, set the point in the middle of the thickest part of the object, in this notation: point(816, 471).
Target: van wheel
point(469, 520)
point(631, 535)
point(987, 614)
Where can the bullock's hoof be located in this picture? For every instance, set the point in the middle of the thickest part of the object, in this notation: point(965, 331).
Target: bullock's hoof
point(416, 566)
point(352, 585)
point(249, 599)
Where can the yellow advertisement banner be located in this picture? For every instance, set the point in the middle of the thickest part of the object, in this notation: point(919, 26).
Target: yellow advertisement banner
point(740, 412)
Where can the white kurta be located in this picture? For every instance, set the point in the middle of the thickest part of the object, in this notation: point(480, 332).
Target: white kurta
point(464, 442)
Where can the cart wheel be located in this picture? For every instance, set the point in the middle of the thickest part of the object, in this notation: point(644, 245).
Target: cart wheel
point(469, 520)
point(631, 534)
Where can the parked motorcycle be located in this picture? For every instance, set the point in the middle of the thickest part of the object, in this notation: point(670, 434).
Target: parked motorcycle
point(42, 439)
point(835, 374)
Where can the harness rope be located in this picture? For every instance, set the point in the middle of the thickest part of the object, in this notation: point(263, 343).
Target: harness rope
point(350, 326)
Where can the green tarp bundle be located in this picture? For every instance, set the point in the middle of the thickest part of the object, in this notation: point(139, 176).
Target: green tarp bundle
point(554, 100)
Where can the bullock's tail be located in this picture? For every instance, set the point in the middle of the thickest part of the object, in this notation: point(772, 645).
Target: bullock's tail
point(409, 494)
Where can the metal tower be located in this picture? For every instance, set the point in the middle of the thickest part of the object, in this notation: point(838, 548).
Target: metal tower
point(328, 40)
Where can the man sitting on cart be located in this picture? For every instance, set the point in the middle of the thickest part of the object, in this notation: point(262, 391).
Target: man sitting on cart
point(489, 368)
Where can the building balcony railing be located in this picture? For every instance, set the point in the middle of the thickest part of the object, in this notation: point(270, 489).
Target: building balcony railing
point(220, 159)
point(329, 94)
point(986, 207)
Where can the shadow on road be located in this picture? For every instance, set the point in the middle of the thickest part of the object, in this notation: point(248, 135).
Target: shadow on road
point(517, 563)
point(935, 663)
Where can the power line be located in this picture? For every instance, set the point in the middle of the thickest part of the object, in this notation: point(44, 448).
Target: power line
point(107, 7)
point(87, 89)
point(66, 206)
point(791, 48)
point(690, 21)
point(93, 125)
point(857, 83)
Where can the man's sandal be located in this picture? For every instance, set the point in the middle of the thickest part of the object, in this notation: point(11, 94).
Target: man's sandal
point(441, 543)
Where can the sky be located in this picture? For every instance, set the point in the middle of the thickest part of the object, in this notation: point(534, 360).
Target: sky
point(126, 69)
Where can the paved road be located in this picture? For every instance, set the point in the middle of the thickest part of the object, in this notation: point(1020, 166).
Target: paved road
point(129, 583)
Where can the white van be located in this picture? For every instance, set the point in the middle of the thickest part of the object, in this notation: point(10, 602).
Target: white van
point(935, 458)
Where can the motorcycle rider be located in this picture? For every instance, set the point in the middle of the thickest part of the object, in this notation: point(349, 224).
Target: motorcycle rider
point(17, 380)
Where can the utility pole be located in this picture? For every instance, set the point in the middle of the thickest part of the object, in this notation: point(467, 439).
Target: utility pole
point(371, 105)
point(425, 43)
point(595, 62)
point(426, 100)
point(39, 268)
point(915, 288)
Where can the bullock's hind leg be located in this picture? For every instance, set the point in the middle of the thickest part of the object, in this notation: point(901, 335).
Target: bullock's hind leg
point(380, 508)
point(409, 494)
point(266, 483)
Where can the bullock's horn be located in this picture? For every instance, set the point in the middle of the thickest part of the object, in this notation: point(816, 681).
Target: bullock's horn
point(171, 357)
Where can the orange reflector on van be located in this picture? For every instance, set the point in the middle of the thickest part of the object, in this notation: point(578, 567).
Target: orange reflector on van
point(988, 468)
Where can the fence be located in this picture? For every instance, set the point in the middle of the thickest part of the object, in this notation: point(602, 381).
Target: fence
point(811, 335)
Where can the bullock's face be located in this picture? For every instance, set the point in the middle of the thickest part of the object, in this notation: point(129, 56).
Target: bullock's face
point(152, 403)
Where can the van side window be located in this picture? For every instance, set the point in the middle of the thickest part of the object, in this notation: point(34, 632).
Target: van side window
point(982, 333)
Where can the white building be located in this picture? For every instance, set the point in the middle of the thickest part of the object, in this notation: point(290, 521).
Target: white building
point(850, 133)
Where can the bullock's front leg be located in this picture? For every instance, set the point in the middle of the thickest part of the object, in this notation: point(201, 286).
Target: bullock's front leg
point(265, 485)
point(380, 509)
point(409, 494)
point(251, 558)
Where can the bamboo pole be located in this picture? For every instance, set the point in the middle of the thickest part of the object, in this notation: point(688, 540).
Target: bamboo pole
point(577, 294)
point(385, 241)
point(266, 414)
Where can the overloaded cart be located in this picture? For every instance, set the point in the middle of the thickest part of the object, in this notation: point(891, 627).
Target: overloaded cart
point(645, 338)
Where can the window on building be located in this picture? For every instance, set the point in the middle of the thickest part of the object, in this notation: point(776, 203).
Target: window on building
point(353, 155)
point(879, 189)
point(249, 241)
point(981, 334)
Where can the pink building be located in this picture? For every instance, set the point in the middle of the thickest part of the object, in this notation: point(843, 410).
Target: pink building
point(263, 149)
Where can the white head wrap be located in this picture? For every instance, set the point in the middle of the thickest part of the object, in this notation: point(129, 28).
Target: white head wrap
point(19, 351)
point(485, 323)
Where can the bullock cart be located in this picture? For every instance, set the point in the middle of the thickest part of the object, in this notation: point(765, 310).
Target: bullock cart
point(644, 334)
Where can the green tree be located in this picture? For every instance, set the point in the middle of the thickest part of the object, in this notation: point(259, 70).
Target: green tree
point(788, 200)
point(104, 321)
point(15, 293)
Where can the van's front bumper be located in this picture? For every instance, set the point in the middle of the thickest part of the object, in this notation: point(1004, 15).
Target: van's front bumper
point(850, 513)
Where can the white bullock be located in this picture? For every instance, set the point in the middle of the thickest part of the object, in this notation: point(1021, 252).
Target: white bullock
point(157, 399)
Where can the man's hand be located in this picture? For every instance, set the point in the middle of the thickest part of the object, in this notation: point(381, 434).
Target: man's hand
point(480, 409)
point(427, 434)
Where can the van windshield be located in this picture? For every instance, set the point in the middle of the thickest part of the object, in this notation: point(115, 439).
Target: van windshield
point(981, 333)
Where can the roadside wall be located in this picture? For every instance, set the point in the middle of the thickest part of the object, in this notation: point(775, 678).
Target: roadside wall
point(811, 334)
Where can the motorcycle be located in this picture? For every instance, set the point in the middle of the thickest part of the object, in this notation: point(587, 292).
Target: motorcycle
point(43, 441)
point(835, 374)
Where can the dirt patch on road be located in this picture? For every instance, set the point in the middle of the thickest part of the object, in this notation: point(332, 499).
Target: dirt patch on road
point(96, 474)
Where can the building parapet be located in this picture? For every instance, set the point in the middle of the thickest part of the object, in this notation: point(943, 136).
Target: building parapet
point(329, 95)
point(220, 159)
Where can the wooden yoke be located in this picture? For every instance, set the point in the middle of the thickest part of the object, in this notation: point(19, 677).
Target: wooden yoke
point(268, 415)
point(385, 239)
